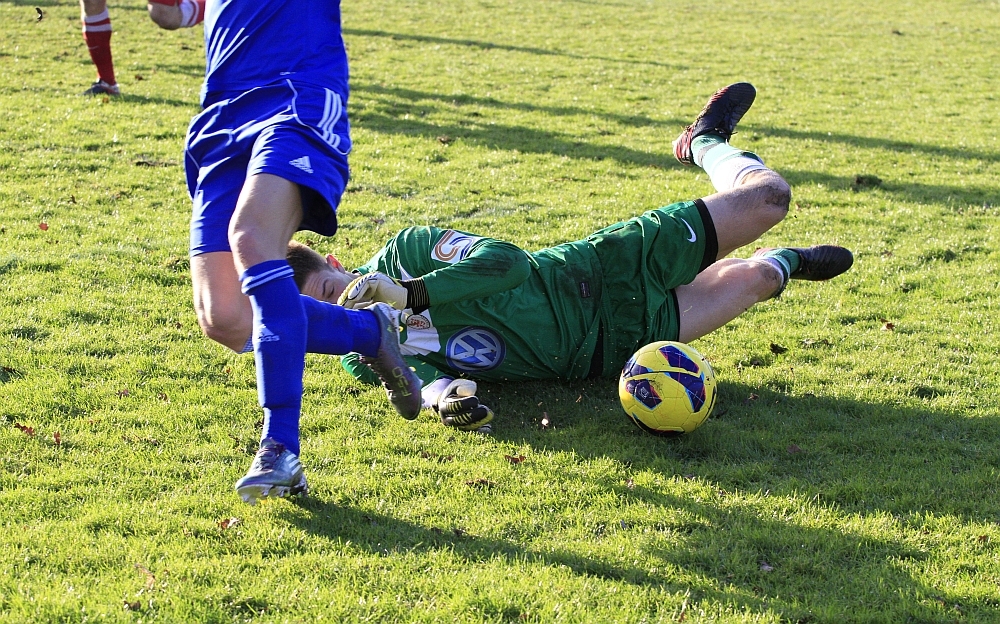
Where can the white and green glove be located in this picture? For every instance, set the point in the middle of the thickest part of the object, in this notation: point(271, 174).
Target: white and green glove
point(373, 288)
point(455, 401)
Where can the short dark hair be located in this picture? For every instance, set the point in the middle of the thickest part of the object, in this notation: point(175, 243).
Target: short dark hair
point(304, 262)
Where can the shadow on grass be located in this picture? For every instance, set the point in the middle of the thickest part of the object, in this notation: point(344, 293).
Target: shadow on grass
point(131, 98)
point(941, 194)
point(487, 45)
point(193, 70)
point(377, 532)
point(860, 457)
point(818, 557)
point(850, 140)
point(390, 118)
point(407, 97)
point(901, 464)
point(390, 111)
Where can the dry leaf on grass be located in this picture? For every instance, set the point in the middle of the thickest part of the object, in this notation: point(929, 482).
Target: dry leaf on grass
point(150, 579)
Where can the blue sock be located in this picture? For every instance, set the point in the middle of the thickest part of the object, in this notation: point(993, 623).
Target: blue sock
point(335, 330)
point(279, 340)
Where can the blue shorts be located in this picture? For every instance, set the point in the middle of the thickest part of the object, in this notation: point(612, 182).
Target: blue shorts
point(295, 131)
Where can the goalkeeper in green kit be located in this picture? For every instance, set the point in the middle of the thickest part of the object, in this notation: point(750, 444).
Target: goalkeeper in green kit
point(476, 308)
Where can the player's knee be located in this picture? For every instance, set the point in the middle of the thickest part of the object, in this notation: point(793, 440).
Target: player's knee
point(776, 192)
point(226, 327)
point(764, 278)
point(93, 7)
point(774, 196)
point(243, 240)
point(780, 192)
point(166, 17)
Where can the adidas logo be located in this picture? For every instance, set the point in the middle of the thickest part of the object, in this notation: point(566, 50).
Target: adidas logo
point(266, 335)
point(302, 163)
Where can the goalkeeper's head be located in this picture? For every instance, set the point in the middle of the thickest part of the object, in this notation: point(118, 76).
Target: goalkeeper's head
point(318, 277)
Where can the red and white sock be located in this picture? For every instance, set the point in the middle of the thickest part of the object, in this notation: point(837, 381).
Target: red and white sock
point(97, 35)
point(192, 12)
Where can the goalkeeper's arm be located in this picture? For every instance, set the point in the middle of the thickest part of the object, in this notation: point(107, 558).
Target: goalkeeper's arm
point(491, 267)
point(416, 274)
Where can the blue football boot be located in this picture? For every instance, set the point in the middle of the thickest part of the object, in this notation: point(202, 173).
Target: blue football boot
point(275, 471)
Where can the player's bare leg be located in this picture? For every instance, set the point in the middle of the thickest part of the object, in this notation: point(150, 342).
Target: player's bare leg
point(752, 198)
point(732, 286)
point(259, 234)
point(268, 212)
point(742, 214)
point(722, 292)
point(165, 15)
point(224, 312)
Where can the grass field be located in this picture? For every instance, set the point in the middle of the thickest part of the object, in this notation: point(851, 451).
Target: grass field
point(853, 477)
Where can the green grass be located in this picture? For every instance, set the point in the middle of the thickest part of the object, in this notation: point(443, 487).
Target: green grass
point(860, 484)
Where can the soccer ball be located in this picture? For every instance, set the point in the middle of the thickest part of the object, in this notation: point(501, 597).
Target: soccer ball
point(667, 388)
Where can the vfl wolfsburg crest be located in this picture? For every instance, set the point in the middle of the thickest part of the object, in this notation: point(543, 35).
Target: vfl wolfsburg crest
point(475, 349)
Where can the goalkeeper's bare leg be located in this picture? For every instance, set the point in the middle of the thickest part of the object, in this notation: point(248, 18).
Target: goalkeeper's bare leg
point(730, 287)
point(751, 199)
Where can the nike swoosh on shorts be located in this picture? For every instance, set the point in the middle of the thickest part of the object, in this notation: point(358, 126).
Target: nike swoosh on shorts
point(694, 236)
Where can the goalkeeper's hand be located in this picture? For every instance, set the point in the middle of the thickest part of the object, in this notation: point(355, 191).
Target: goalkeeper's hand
point(455, 401)
point(373, 288)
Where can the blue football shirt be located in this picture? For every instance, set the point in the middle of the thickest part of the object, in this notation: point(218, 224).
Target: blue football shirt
point(252, 43)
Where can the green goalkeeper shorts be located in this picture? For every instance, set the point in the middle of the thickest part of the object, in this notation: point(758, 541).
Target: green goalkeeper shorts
point(643, 260)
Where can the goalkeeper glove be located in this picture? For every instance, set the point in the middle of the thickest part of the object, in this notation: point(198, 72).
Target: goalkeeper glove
point(455, 401)
point(373, 288)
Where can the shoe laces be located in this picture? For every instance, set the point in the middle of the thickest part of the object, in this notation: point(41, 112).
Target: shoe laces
point(729, 107)
point(268, 456)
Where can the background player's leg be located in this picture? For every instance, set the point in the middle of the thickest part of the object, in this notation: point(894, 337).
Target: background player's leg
point(165, 13)
point(97, 35)
point(722, 292)
point(174, 14)
point(224, 312)
point(741, 214)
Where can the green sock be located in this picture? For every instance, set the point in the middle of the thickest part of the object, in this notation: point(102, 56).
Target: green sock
point(711, 150)
point(702, 144)
point(788, 259)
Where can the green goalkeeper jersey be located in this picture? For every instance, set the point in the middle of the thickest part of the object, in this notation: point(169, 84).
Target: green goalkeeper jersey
point(496, 312)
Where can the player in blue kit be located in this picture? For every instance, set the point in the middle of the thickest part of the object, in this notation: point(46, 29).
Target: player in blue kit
point(266, 157)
